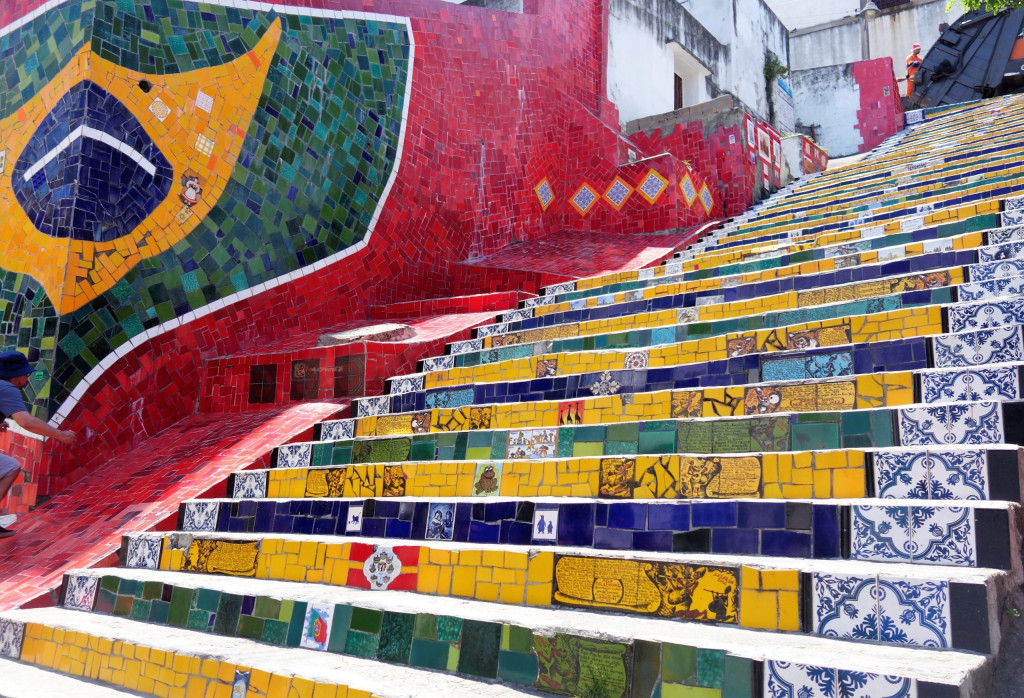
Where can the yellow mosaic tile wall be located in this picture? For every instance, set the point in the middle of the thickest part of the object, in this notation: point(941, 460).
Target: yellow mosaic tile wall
point(159, 673)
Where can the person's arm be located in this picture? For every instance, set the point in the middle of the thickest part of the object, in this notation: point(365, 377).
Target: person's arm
point(31, 423)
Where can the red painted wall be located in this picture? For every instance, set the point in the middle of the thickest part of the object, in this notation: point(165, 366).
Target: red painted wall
point(881, 112)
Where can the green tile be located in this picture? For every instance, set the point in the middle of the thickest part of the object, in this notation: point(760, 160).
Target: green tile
point(152, 590)
point(520, 639)
point(737, 677)
point(123, 605)
point(228, 612)
point(360, 644)
point(339, 628)
point(110, 583)
point(620, 448)
point(295, 624)
point(395, 637)
point(425, 627)
point(566, 439)
point(159, 612)
point(811, 437)
point(367, 620)
point(678, 664)
point(589, 434)
point(275, 632)
point(423, 451)
point(207, 600)
point(429, 654)
point(518, 667)
point(670, 690)
point(181, 602)
point(449, 629)
point(287, 607)
point(623, 432)
point(478, 651)
point(657, 442)
point(646, 673)
point(581, 450)
point(251, 627)
point(128, 587)
point(141, 609)
point(709, 668)
point(266, 607)
point(199, 620)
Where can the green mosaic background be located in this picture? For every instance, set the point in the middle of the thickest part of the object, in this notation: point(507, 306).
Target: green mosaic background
point(311, 172)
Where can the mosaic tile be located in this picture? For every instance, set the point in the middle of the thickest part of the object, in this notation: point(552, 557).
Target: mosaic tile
point(316, 627)
point(996, 253)
point(200, 516)
point(932, 474)
point(80, 592)
point(992, 289)
point(881, 533)
point(294, 455)
point(12, 633)
point(965, 423)
point(845, 606)
point(981, 316)
point(971, 385)
point(408, 384)
point(943, 535)
point(467, 346)
point(1002, 269)
point(373, 406)
point(338, 430)
point(914, 612)
point(1003, 234)
point(143, 552)
point(250, 485)
point(975, 348)
point(439, 363)
point(440, 521)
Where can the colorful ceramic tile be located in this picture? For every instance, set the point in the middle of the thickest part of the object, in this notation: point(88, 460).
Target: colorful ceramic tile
point(200, 516)
point(913, 612)
point(341, 429)
point(964, 423)
point(316, 627)
point(971, 385)
point(584, 199)
point(12, 633)
point(652, 186)
point(618, 193)
point(373, 406)
point(487, 480)
point(250, 485)
point(975, 348)
point(689, 190)
point(545, 194)
point(532, 443)
point(381, 568)
point(881, 533)
point(545, 524)
point(636, 361)
point(440, 521)
point(706, 198)
point(80, 592)
point(144, 552)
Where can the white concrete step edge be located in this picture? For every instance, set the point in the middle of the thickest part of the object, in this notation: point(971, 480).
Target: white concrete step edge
point(378, 678)
point(19, 680)
point(940, 666)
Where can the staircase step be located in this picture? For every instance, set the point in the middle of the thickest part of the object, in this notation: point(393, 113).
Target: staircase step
point(181, 662)
point(510, 645)
point(29, 681)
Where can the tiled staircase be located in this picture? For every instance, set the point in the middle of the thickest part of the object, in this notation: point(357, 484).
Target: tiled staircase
point(785, 463)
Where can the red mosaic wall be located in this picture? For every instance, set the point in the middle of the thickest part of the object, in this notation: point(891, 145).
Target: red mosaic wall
point(498, 100)
point(881, 111)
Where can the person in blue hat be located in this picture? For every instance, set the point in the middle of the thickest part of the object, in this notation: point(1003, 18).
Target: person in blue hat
point(14, 372)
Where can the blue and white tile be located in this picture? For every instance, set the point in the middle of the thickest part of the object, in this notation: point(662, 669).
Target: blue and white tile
point(438, 363)
point(1013, 213)
point(250, 484)
point(12, 634)
point(845, 606)
point(958, 474)
point(354, 518)
point(996, 270)
point(406, 384)
point(962, 423)
point(517, 315)
point(1006, 233)
point(377, 406)
point(200, 516)
point(703, 301)
point(881, 533)
point(144, 552)
point(991, 289)
point(790, 680)
point(860, 684)
point(490, 330)
point(943, 535)
point(970, 384)
point(997, 253)
point(997, 345)
point(545, 524)
point(901, 474)
point(466, 346)
point(538, 301)
point(982, 316)
point(294, 455)
point(440, 521)
point(80, 592)
point(913, 612)
point(555, 289)
point(687, 315)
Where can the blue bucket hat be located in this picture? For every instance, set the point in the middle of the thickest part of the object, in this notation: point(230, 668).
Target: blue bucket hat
point(14, 364)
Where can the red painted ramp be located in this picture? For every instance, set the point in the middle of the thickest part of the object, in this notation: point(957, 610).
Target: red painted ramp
point(137, 491)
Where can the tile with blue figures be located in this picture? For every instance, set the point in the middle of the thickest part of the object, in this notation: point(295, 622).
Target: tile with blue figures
point(939, 474)
point(931, 534)
point(950, 424)
point(976, 348)
point(991, 382)
point(964, 317)
point(1003, 269)
point(991, 289)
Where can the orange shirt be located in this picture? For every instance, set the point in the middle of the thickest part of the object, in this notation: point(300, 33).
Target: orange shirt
point(913, 63)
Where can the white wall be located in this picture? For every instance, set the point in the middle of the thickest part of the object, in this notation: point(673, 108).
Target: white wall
point(640, 71)
point(829, 98)
point(888, 35)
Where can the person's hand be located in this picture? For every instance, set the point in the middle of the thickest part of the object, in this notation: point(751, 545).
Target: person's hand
point(3, 425)
point(67, 437)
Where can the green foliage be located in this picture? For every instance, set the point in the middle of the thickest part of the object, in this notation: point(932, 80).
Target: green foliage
point(775, 68)
point(991, 5)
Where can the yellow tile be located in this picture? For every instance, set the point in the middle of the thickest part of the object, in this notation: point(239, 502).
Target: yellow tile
point(463, 581)
point(758, 609)
point(538, 594)
point(541, 567)
point(789, 611)
point(301, 688)
point(848, 483)
point(278, 686)
point(780, 580)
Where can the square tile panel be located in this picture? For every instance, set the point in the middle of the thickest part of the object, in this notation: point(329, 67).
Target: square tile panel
point(1003, 234)
point(144, 552)
point(440, 521)
point(584, 199)
point(338, 430)
point(913, 612)
point(706, 199)
point(200, 516)
point(545, 195)
point(970, 384)
point(997, 253)
point(354, 520)
point(652, 186)
point(845, 606)
point(996, 345)
point(618, 193)
point(294, 455)
point(545, 524)
point(788, 680)
point(12, 633)
point(316, 627)
point(982, 316)
point(1005, 268)
point(564, 287)
point(250, 484)
point(957, 474)
point(467, 346)
point(943, 535)
point(965, 423)
point(860, 684)
point(373, 406)
point(1012, 217)
point(159, 109)
point(881, 533)
point(406, 384)
point(439, 363)
point(688, 189)
point(80, 592)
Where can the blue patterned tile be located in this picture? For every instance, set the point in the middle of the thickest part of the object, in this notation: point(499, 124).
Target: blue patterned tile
point(964, 423)
point(881, 533)
point(406, 384)
point(12, 633)
point(788, 680)
point(985, 315)
point(338, 430)
point(250, 484)
point(438, 363)
point(943, 535)
point(996, 270)
point(913, 612)
point(1006, 233)
point(997, 345)
point(449, 398)
point(80, 592)
point(901, 474)
point(991, 289)
point(294, 455)
point(970, 384)
point(830, 365)
point(200, 516)
point(845, 606)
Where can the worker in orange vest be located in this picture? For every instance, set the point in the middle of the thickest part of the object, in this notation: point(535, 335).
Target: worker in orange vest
point(913, 63)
